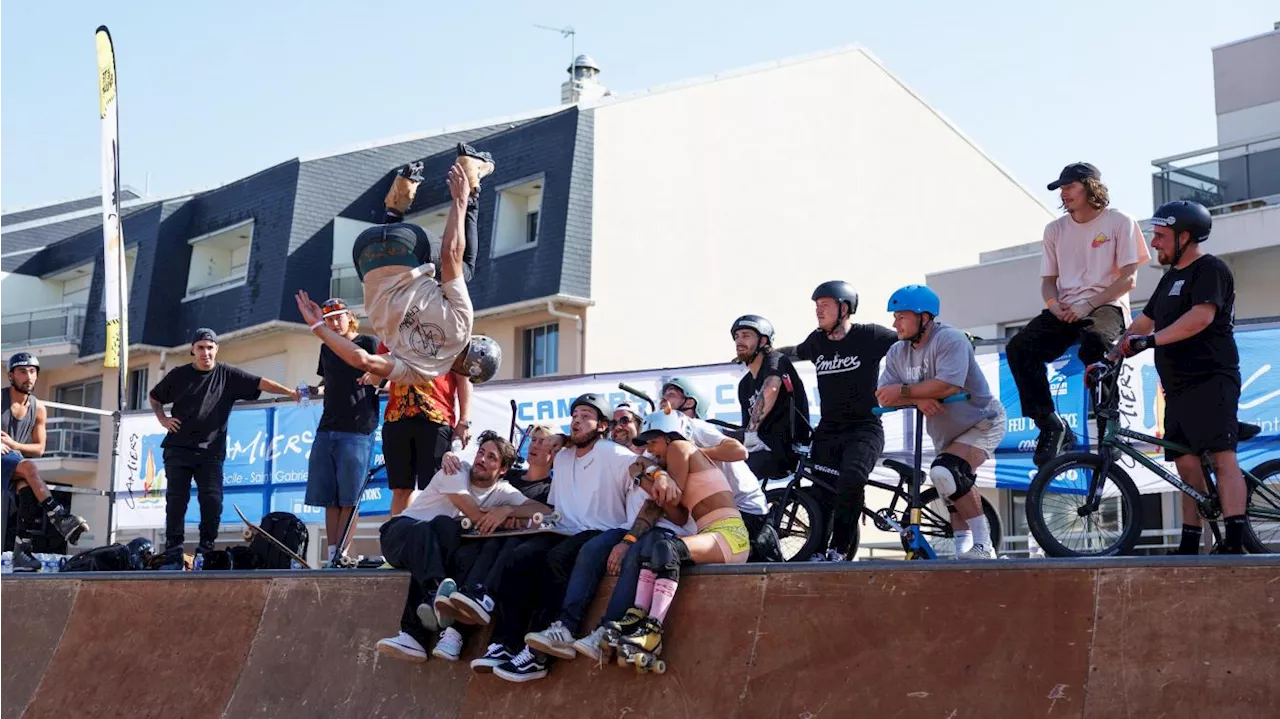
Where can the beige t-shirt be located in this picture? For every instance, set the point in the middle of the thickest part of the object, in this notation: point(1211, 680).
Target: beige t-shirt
point(434, 501)
point(424, 324)
point(1086, 258)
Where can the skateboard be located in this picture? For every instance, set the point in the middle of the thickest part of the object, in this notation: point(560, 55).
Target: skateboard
point(537, 524)
point(254, 530)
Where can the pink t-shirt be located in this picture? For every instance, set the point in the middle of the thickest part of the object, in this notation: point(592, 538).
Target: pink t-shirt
point(1086, 258)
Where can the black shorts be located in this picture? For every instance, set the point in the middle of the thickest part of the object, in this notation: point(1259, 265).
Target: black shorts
point(413, 449)
point(1203, 417)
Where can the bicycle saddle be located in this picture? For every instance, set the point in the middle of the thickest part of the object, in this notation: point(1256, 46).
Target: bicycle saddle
point(900, 467)
point(1248, 431)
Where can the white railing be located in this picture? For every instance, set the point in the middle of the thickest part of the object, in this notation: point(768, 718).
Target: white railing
point(43, 325)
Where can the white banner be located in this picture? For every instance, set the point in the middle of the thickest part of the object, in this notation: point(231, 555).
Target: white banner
point(114, 288)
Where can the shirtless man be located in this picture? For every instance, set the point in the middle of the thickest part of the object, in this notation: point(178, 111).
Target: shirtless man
point(682, 483)
point(425, 322)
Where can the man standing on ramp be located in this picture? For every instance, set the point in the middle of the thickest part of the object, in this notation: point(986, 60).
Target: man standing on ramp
point(425, 322)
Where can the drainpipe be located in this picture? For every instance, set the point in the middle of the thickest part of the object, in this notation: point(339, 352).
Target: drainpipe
point(582, 340)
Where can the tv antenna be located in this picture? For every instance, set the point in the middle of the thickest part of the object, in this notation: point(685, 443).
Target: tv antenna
point(569, 32)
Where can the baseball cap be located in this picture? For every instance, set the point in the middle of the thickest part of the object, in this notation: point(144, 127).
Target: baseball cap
point(1075, 172)
point(334, 306)
point(204, 333)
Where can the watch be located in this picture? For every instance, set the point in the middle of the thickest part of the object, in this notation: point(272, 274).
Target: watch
point(906, 390)
point(465, 423)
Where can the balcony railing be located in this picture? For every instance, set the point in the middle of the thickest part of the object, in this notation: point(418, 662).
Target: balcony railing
point(47, 325)
point(1242, 173)
point(72, 438)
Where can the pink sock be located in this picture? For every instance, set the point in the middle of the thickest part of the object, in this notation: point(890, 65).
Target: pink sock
point(664, 591)
point(644, 590)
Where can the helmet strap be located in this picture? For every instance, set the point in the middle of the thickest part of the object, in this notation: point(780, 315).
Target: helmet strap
point(922, 329)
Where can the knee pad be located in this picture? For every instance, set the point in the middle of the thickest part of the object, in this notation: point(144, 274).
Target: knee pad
point(667, 556)
point(952, 476)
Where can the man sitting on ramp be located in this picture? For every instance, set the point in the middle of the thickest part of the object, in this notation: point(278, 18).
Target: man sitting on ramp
point(425, 322)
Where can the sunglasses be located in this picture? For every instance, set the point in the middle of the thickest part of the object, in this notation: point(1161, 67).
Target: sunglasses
point(625, 421)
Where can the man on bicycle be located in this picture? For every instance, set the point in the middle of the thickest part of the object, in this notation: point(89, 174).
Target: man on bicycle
point(775, 408)
point(1189, 321)
point(849, 437)
point(932, 362)
point(1089, 263)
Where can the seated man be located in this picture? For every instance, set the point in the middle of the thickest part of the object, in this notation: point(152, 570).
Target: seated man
point(931, 362)
point(424, 536)
point(730, 456)
point(425, 322)
point(22, 436)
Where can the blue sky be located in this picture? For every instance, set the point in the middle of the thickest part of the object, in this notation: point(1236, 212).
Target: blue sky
point(213, 91)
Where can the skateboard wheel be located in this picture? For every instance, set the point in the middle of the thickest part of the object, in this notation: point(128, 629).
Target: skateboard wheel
point(537, 519)
point(248, 535)
point(466, 523)
point(660, 667)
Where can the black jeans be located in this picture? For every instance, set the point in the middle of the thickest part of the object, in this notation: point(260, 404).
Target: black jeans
point(424, 548)
point(1044, 339)
point(770, 464)
point(483, 562)
point(852, 450)
point(181, 466)
point(532, 592)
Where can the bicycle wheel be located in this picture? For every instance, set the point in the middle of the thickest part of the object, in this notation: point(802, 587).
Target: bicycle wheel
point(1057, 517)
point(801, 525)
point(1263, 533)
point(935, 523)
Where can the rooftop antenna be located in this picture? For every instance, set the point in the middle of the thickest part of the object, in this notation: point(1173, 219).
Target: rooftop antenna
point(566, 31)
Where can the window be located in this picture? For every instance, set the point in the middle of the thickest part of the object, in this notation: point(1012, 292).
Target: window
point(138, 389)
point(542, 350)
point(1011, 330)
point(516, 218)
point(85, 394)
point(70, 433)
point(219, 259)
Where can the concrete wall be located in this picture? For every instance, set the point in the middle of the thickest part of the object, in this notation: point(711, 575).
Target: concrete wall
point(19, 293)
point(1245, 76)
point(508, 331)
point(746, 192)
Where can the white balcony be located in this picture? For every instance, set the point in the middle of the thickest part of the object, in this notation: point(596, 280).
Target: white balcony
point(51, 333)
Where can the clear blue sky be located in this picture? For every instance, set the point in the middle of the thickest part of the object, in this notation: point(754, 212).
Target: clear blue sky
point(213, 91)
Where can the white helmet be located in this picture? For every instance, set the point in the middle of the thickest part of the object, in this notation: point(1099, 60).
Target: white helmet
point(664, 422)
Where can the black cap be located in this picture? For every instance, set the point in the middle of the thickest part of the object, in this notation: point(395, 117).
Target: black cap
point(204, 333)
point(1075, 172)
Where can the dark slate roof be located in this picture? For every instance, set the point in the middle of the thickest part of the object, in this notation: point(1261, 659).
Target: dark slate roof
point(61, 208)
point(44, 236)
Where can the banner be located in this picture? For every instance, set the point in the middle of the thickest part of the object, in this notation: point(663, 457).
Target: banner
point(115, 289)
point(269, 445)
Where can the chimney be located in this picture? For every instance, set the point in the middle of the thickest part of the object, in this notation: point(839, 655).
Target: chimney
point(582, 83)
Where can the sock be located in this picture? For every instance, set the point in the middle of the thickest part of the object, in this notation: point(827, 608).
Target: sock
point(50, 507)
point(981, 532)
point(964, 540)
point(644, 589)
point(664, 591)
point(333, 552)
point(1235, 532)
point(1191, 536)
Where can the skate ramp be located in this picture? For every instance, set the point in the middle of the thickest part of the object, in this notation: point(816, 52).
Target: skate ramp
point(1113, 638)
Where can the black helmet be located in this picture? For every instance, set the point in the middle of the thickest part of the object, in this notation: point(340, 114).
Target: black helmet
point(484, 357)
point(140, 552)
point(760, 325)
point(1185, 216)
point(595, 401)
point(840, 291)
point(23, 359)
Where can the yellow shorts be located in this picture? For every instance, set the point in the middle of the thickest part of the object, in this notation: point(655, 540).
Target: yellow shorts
point(731, 535)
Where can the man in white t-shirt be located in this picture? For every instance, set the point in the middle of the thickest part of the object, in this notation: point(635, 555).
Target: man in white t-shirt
point(425, 535)
point(730, 456)
point(425, 321)
point(1089, 263)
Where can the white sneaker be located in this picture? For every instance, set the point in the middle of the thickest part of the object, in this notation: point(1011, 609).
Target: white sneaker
point(554, 640)
point(404, 647)
point(978, 551)
point(590, 645)
point(449, 647)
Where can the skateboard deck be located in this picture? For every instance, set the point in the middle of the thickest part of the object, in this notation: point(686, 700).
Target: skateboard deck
point(537, 524)
point(254, 529)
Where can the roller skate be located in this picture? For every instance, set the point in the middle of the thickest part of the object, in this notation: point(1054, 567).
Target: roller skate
point(642, 648)
point(615, 631)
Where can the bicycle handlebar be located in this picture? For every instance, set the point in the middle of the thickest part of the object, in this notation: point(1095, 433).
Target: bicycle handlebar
point(628, 388)
point(962, 396)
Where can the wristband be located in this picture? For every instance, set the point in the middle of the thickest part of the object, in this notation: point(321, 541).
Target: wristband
point(1051, 302)
point(629, 539)
point(314, 326)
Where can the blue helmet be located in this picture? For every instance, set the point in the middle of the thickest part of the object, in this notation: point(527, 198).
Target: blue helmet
point(915, 298)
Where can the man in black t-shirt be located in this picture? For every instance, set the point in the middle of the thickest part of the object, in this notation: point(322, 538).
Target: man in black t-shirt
point(202, 394)
point(343, 443)
point(775, 408)
point(1189, 321)
point(849, 437)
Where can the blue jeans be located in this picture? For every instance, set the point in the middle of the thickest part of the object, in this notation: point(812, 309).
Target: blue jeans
point(588, 568)
point(338, 464)
point(624, 592)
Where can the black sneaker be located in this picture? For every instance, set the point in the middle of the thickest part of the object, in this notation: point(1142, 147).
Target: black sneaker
point(24, 560)
point(1054, 439)
point(1221, 548)
point(525, 667)
point(474, 605)
point(496, 655)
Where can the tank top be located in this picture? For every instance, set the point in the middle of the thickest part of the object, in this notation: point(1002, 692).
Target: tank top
point(19, 429)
